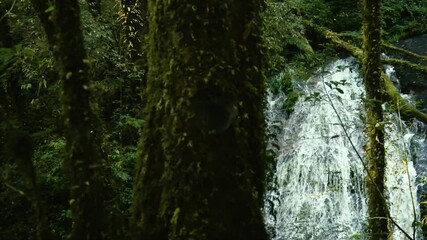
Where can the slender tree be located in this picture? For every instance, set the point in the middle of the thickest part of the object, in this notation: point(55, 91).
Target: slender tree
point(200, 173)
point(134, 21)
point(5, 35)
point(6, 41)
point(20, 149)
point(43, 11)
point(393, 96)
point(377, 206)
point(83, 157)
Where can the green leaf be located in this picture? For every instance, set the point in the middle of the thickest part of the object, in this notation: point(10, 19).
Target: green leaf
point(28, 51)
point(6, 55)
point(123, 175)
point(50, 9)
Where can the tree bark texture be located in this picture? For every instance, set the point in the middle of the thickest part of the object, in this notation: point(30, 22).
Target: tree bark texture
point(19, 149)
point(5, 36)
point(41, 7)
point(83, 156)
point(371, 70)
point(133, 15)
point(201, 164)
point(392, 94)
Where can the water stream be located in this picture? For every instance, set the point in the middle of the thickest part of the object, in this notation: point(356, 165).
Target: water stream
point(318, 186)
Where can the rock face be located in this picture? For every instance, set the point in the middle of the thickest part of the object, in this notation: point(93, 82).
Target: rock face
point(415, 44)
point(413, 82)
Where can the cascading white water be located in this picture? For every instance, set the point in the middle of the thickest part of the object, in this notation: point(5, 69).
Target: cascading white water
point(318, 188)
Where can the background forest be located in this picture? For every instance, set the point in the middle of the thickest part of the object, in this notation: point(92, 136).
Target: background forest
point(31, 122)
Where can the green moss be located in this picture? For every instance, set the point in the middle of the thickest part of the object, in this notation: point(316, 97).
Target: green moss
point(290, 100)
point(371, 71)
point(204, 99)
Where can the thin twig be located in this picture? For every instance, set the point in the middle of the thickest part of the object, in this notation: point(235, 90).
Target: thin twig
point(407, 171)
point(7, 13)
point(15, 189)
point(361, 160)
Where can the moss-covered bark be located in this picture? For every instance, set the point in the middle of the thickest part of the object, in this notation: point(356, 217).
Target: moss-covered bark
point(41, 7)
point(418, 67)
point(391, 93)
point(5, 36)
point(134, 20)
point(19, 149)
point(83, 157)
point(401, 104)
point(371, 71)
point(201, 164)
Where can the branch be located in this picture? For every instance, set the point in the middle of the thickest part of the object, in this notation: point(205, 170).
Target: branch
point(399, 102)
point(359, 156)
point(387, 46)
point(406, 52)
point(396, 61)
point(391, 91)
point(335, 38)
point(41, 7)
point(20, 192)
point(7, 13)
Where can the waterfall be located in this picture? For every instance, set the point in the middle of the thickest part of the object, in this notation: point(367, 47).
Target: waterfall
point(318, 189)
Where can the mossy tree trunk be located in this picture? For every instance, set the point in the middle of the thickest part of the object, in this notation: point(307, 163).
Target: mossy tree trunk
point(83, 156)
point(5, 36)
point(19, 149)
point(134, 20)
point(392, 94)
point(6, 41)
point(201, 167)
point(42, 10)
point(377, 206)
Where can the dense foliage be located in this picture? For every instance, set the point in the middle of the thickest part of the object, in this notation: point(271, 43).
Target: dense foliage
point(30, 93)
point(30, 100)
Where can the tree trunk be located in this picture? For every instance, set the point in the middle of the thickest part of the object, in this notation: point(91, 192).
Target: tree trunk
point(20, 149)
point(41, 7)
point(133, 16)
point(83, 156)
point(201, 167)
point(393, 95)
point(5, 36)
point(377, 206)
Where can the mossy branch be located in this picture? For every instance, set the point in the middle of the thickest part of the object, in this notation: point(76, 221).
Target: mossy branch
point(404, 63)
point(335, 38)
point(17, 190)
point(391, 91)
point(391, 61)
point(387, 46)
point(356, 51)
point(406, 52)
point(397, 100)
